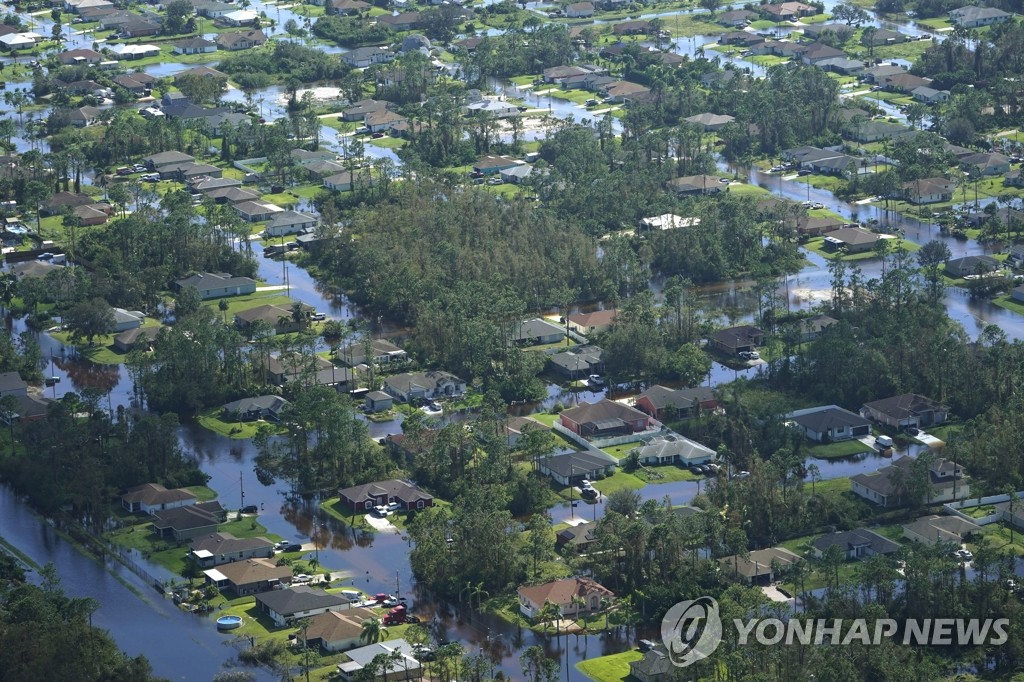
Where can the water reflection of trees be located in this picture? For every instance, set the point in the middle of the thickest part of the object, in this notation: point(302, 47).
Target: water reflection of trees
point(83, 375)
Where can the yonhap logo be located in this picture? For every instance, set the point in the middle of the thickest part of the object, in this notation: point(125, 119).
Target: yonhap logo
point(691, 631)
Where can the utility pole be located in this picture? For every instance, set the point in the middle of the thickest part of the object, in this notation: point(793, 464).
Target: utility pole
point(241, 489)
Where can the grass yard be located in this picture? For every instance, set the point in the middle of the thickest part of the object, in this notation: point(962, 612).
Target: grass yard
point(545, 418)
point(846, 448)
point(816, 245)
point(767, 60)
point(564, 343)
point(102, 350)
point(620, 451)
point(387, 142)
point(203, 493)
point(611, 668)
point(997, 535)
point(210, 419)
point(237, 304)
point(743, 189)
point(620, 480)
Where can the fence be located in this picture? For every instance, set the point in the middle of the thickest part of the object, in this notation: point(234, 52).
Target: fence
point(954, 508)
point(127, 559)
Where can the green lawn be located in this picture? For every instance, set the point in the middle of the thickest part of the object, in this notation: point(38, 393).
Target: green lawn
point(210, 419)
point(545, 418)
point(388, 142)
point(668, 473)
point(997, 535)
point(620, 451)
point(743, 189)
point(846, 448)
point(102, 350)
point(611, 668)
point(237, 304)
point(620, 480)
point(203, 493)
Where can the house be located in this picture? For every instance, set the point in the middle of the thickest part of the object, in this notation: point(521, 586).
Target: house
point(492, 108)
point(787, 11)
point(377, 401)
point(818, 52)
point(12, 384)
point(347, 7)
point(929, 95)
point(564, 594)
point(985, 163)
point(138, 337)
point(383, 121)
point(971, 265)
point(125, 320)
point(709, 122)
point(405, 21)
point(536, 332)
point(96, 214)
point(1013, 178)
point(888, 486)
point(516, 427)
point(571, 468)
point(257, 211)
point(577, 361)
point(362, 57)
point(83, 116)
point(813, 327)
point(185, 523)
point(249, 576)
point(759, 566)
point(666, 221)
point(359, 110)
point(183, 172)
point(829, 424)
point(300, 601)
point(342, 182)
point(80, 56)
point(594, 322)
point(858, 543)
point(851, 240)
point(670, 403)
point(217, 285)
point(136, 83)
point(400, 662)
point(881, 36)
point(928, 190)
point(60, 201)
point(604, 418)
point(579, 537)
point(674, 449)
point(846, 67)
point(815, 31)
point(878, 74)
point(193, 46)
point(735, 18)
point(739, 38)
point(231, 195)
point(136, 51)
point(516, 175)
point(691, 185)
point(557, 74)
point(972, 16)
point(369, 495)
point(240, 17)
point(281, 320)
point(381, 352)
point(622, 92)
point(241, 40)
point(222, 548)
point(489, 165)
point(212, 9)
point(933, 530)
point(1016, 256)
point(908, 409)
point(905, 82)
point(632, 28)
point(267, 407)
point(289, 366)
point(735, 340)
point(150, 498)
point(208, 185)
point(655, 666)
point(155, 162)
point(289, 222)
point(579, 10)
point(429, 385)
point(335, 631)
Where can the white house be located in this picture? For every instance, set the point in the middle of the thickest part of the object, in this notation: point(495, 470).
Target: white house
point(289, 222)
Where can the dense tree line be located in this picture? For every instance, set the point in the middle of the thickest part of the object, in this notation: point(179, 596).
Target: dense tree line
point(516, 52)
point(82, 464)
point(282, 60)
point(47, 635)
point(351, 31)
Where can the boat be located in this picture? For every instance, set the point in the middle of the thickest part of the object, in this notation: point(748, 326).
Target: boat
point(229, 622)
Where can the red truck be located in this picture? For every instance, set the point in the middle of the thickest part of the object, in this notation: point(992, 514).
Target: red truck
point(395, 616)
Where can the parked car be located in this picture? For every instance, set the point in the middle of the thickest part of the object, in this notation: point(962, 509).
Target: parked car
point(724, 181)
point(591, 102)
point(741, 475)
point(589, 493)
point(249, 509)
point(302, 578)
point(281, 546)
point(293, 547)
point(361, 130)
point(595, 380)
point(318, 317)
point(494, 181)
point(753, 355)
point(377, 135)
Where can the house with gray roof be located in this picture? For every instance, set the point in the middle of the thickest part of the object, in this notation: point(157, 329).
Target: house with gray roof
point(184, 523)
point(301, 601)
point(671, 448)
point(222, 548)
point(267, 407)
point(829, 423)
point(907, 409)
point(851, 240)
point(887, 487)
point(150, 498)
point(934, 529)
point(570, 468)
point(536, 332)
point(404, 665)
point(578, 537)
point(577, 361)
point(289, 222)
point(217, 285)
point(973, 16)
point(424, 385)
point(858, 543)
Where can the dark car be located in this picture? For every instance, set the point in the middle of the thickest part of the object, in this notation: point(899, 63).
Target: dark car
point(412, 619)
point(249, 509)
point(589, 493)
point(294, 547)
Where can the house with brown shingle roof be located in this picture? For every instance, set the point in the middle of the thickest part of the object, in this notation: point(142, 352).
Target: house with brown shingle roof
point(249, 576)
point(369, 495)
point(150, 498)
point(604, 418)
point(561, 593)
point(593, 322)
point(334, 631)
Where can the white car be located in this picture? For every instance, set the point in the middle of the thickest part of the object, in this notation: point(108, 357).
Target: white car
point(753, 355)
point(595, 380)
point(302, 578)
point(741, 475)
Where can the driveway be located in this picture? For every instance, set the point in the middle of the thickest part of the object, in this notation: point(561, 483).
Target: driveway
point(383, 525)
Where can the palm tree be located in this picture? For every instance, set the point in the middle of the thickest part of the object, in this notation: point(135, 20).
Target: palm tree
point(550, 612)
point(372, 631)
